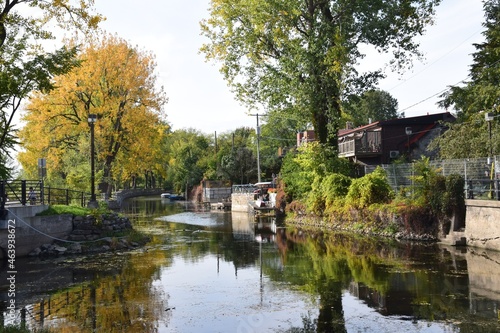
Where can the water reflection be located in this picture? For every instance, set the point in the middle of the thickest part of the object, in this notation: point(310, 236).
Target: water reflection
point(221, 272)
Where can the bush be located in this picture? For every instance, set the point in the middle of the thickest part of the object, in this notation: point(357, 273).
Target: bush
point(335, 186)
point(370, 189)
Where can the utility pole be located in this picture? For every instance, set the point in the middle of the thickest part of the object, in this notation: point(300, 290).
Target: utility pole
point(258, 148)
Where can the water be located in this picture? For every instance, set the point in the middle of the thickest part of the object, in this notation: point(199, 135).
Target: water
point(222, 272)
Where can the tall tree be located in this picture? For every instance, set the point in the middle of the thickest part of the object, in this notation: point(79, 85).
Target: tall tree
point(24, 66)
point(117, 83)
point(64, 13)
point(372, 105)
point(480, 93)
point(300, 55)
point(187, 152)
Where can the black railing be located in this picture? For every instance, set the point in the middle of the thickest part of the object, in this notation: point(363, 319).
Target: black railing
point(487, 189)
point(23, 192)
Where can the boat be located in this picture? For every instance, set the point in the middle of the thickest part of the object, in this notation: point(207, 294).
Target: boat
point(175, 197)
point(165, 195)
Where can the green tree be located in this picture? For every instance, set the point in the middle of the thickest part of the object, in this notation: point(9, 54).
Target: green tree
point(482, 91)
point(469, 137)
point(237, 161)
point(372, 105)
point(299, 57)
point(187, 151)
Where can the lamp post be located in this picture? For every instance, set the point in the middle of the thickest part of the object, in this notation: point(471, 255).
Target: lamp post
point(488, 116)
point(93, 202)
point(408, 132)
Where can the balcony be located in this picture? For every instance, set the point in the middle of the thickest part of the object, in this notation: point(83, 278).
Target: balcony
point(361, 144)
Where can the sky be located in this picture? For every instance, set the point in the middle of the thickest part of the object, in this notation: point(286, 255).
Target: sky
point(199, 98)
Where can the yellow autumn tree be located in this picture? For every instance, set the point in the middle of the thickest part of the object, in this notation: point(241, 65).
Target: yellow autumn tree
point(117, 82)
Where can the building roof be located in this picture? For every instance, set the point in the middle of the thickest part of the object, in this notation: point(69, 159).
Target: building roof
point(419, 120)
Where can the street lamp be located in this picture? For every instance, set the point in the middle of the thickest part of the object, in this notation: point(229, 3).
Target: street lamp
point(408, 132)
point(93, 202)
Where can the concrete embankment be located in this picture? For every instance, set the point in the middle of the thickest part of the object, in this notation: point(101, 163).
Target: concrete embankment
point(482, 224)
point(34, 235)
point(29, 231)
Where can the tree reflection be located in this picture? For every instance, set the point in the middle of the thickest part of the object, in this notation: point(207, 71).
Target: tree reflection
point(123, 302)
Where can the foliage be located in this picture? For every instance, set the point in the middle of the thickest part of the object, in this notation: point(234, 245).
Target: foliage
point(370, 189)
point(468, 139)
point(313, 160)
point(117, 83)
point(237, 161)
point(373, 104)
point(327, 192)
point(187, 151)
point(298, 58)
point(24, 65)
point(442, 196)
point(21, 329)
point(480, 93)
point(65, 14)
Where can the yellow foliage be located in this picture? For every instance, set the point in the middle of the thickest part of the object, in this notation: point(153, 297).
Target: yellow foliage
point(117, 83)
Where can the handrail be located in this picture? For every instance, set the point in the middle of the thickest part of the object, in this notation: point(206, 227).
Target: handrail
point(18, 191)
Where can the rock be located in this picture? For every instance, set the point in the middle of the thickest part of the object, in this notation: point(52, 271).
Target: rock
point(75, 248)
point(59, 249)
point(35, 253)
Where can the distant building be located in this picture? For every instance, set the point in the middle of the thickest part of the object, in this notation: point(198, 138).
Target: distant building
point(305, 137)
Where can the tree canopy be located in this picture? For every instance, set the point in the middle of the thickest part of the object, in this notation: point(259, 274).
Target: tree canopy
point(480, 94)
point(299, 57)
point(24, 66)
point(374, 105)
point(116, 82)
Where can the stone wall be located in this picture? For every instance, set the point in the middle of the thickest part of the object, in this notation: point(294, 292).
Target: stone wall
point(88, 228)
point(482, 224)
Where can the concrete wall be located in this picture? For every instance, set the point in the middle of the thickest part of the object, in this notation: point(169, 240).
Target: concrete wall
point(26, 237)
point(482, 224)
point(216, 194)
point(240, 202)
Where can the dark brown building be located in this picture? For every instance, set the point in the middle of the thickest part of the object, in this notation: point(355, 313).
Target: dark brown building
point(383, 141)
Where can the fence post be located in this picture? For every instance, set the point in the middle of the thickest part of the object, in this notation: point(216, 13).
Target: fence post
point(470, 194)
point(497, 194)
point(67, 197)
point(42, 198)
point(48, 195)
point(23, 192)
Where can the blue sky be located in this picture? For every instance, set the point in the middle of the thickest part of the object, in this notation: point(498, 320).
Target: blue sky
point(199, 98)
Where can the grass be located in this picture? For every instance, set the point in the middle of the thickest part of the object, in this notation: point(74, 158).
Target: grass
point(73, 210)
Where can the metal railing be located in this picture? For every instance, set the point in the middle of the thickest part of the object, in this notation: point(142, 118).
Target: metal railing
point(23, 192)
point(481, 175)
point(486, 189)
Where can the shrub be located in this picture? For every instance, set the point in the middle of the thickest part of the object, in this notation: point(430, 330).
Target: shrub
point(370, 189)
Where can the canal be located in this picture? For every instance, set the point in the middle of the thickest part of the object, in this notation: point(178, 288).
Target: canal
point(220, 272)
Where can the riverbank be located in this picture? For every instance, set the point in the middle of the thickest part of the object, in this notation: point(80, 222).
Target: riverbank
point(386, 225)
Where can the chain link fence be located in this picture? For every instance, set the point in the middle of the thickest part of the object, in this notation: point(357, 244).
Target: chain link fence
point(480, 174)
